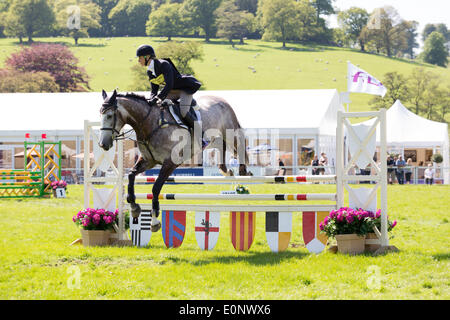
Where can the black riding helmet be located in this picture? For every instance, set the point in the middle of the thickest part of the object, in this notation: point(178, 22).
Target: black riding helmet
point(145, 50)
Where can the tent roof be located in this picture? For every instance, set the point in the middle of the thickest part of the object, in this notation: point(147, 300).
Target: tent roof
point(284, 108)
point(406, 129)
point(254, 109)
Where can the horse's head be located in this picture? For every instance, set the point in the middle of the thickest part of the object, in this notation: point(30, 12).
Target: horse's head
point(111, 122)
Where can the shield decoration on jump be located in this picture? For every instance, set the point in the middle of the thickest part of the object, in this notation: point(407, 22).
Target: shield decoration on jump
point(207, 229)
point(314, 240)
point(242, 229)
point(278, 230)
point(173, 228)
point(362, 130)
point(140, 229)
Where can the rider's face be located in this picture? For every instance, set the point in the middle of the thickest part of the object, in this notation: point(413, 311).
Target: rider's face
point(142, 61)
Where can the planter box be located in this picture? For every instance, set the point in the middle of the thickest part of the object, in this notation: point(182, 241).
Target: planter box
point(350, 243)
point(95, 237)
point(371, 247)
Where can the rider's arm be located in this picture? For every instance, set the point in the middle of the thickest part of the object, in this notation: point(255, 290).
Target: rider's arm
point(166, 70)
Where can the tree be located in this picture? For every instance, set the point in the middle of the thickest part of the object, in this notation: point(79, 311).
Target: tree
point(439, 27)
point(387, 29)
point(30, 17)
point(279, 19)
point(397, 89)
point(201, 15)
point(181, 54)
point(105, 8)
point(166, 21)
point(233, 23)
point(353, 21)
point(55, 59)
point(16, 81)
point(129, 17)
point(247, 5)
point(4, 6)
point(435, 51)
point(410, 34)
point(323, 7)
point(417, 86)
point(75, 17)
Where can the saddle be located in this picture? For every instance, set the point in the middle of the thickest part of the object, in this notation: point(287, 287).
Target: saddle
point(174, 110)
point(192, 111)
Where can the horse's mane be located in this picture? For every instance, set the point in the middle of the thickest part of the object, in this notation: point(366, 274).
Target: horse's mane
point(133, 96)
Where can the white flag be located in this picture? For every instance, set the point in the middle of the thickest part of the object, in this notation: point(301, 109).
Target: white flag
point(360, 81)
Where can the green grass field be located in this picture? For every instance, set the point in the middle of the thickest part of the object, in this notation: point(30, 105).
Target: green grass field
point(108, 63)
point(38, 263)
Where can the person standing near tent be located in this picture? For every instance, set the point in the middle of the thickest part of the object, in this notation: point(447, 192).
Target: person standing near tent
point(408, 171)
point(429, 174)
point(391, 170)
point(400, 163)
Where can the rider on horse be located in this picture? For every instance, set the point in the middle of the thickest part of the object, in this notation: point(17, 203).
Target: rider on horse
point(162, 72)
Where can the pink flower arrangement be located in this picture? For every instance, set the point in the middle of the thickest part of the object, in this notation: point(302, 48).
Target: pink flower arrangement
point(59, 184)
point(96, 219)
point(352, 221)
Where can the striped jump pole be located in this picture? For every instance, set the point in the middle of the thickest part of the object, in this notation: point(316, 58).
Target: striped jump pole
point(239, 179)
point(247, 197)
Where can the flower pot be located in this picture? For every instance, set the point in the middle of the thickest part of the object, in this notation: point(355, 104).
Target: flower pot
point(350, 243)
point(95, 237)
point(372, 247)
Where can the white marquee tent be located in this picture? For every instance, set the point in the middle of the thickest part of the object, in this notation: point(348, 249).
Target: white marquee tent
point(405, 129)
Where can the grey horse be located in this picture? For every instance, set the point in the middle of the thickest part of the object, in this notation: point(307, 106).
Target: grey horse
point(159, 141)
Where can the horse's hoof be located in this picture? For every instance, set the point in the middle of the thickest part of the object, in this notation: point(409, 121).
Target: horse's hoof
point(157, 226)
point(135, 210)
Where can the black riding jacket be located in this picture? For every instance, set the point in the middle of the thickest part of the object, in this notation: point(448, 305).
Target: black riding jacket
point(167, 75)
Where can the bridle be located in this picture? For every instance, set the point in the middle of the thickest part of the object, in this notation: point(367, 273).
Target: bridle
point(118, 136)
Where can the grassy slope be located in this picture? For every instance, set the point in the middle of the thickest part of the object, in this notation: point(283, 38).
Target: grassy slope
point(36, 261)
point(108, 63)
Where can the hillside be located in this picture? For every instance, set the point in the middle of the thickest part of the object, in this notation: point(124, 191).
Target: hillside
point(108, 63)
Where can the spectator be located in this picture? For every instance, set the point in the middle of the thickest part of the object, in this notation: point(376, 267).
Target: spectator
point(282, 170)
point(408, 170)
point(391, 170)
point(323, 161)
point(400, 164)
point(233, 164)
point(314, 165)
point(429, 174)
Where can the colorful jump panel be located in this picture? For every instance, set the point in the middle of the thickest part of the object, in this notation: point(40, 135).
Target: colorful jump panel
point(242, 229)
point(278, 230)
point(173, 228)
point(207, 229)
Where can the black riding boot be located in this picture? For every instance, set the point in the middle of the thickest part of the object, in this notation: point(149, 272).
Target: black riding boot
point(191, 123)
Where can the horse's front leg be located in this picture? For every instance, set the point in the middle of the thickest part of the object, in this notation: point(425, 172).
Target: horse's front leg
point(166, 170)
point(140, 166)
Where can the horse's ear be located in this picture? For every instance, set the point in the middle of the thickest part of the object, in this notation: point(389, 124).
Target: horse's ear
point(104, 95)
point(113, 97)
